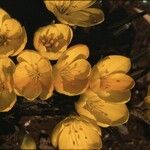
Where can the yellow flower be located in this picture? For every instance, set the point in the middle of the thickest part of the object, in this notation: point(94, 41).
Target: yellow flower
point(75, 12)
point(108, 92)
point(72, 71)
point(33, 76)
point(109, 79)
point(52, 40)
point(76, 133)
point(106, 114)
point(7, 96)
point(13, 36)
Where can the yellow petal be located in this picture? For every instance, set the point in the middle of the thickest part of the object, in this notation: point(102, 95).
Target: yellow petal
point(47, 85)
point(52, 40)
point(30, 56)
point(106, 114)
point(22, 42)
point(3, 16)
point(80, 133)
point(11, 27)
point(32, 90)
point(118, 97)
point(117, 81)
point(14, 45)
point(76, 52)
point(79, 5)
point(21, 76)
point(74, 79)
point(88, 17)
point(113, 63)
point(79, 69)
point(7, 101)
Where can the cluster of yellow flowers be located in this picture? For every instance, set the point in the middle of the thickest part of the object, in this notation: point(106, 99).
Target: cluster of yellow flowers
point(104, 88)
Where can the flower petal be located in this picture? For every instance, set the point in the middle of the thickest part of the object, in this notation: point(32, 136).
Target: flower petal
point(52, 40)
point(117, 82)
point(74, 78)
point(11, 27)
point(45, 69)
point(118, 97)
point(28, 91)
point(7, 101)
point(21, 76)
point(3, 16)
point(29, 56)
point(76, 52)
point(14, 45)
point(79, 5)
point(88, 17)
point(106, 114)
point(113, 63)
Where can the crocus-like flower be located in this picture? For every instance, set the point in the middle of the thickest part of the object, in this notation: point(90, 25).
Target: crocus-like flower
point(72, 71)
point(52, 40)
point(7, 96)
point(76, 133)
point(33, 76)
point(13, 36)
point(75, 12)
point(106, 114)
point(108, 91)
point(109, 79)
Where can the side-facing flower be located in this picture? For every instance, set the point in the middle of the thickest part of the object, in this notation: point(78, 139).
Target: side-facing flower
point(75, 132)
point(52, 40)
point(72, 71)
point(106, 114)
point(7, 95)
point(33, 76)
point(13, 36)
point(109, 79)
point(75, 12)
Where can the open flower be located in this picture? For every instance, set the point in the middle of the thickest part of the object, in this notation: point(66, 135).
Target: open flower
point(75, 12)
point(76, 133)
point(103, 112)
point(52, 40)
point(33, 76)
point(13, 36)
point(71, 73)
point(7, 96)
point(109, 79)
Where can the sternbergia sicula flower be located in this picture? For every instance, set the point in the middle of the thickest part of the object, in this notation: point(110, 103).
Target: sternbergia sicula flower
point(13, 36)
point(103, 112)
point(109, 90)
point(76, 133)
point(7, 95)
point(52, 40)
point(75, 12)
point(33, 76)
point(72, 71)
point(109, 79)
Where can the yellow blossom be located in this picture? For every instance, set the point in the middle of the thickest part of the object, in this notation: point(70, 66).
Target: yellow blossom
point(109, 79)
point(75, 12)
point(33, 76)
point(72, 71)
point(75, 132)
point(106, 114)
point(52, 40)
point(13, 36)
point(7, 96)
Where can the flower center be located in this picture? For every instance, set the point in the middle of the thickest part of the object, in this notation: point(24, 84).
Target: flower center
point(3, 40)
point(34, 73)
point(2, 86)
point(53, 43)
